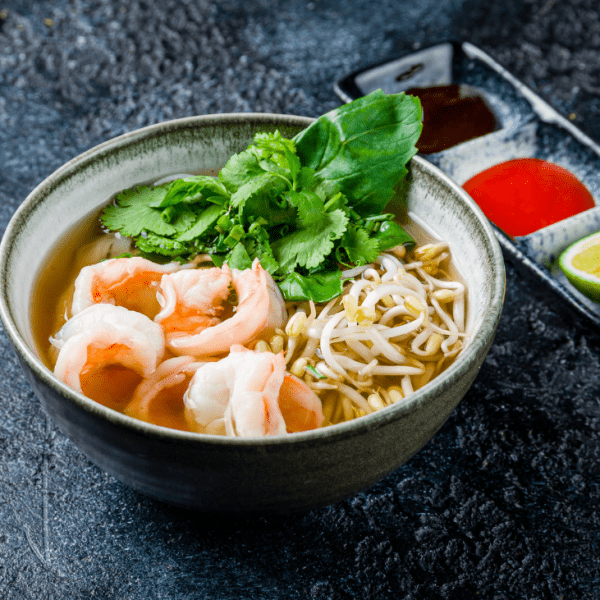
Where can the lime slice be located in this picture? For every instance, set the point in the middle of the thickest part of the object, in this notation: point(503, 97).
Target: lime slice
point(580, 263)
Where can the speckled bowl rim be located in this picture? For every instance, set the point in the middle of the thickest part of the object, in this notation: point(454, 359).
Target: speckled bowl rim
point(479, 343)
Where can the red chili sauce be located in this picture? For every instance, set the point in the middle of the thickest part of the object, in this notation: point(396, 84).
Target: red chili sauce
point(525, 194)
point(452, 114)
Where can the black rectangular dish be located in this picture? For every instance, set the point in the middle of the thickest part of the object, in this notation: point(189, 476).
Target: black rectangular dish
point(526, 127)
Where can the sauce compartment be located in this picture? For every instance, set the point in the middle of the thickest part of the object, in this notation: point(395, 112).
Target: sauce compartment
point(525, 127)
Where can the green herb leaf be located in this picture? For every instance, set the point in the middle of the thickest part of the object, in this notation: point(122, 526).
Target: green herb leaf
point(360, 248)
point(321, 287)
point(132, 213)
point(239, 258)
point(308, 247)
point(311, 210)
point(364, 147)
point(165, 246)
point(239, 169)
point(301, 206)
point(294, 165)
point(314, 372)
point(260, 188)
point(275, 147)
point(206, 219)
point(391, 234)
point(192, 189)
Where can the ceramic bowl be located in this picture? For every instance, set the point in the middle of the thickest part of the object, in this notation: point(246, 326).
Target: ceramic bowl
point(212, 473)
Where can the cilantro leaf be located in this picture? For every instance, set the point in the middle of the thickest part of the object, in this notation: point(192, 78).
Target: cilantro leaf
point(263, 251)
point(309, 247)
point(263, 185)
point(239, 169)
point(306, 179)
point(165, 246)
point(311, 210)
point(259, 247)
point(294, 165)
point(239, 258)
point(131, 213)
point(206, 219)
point(262, 197)
point(185, 219)
point(360, 248)
point(192, 189)
point(275, 147)
point(272, 167)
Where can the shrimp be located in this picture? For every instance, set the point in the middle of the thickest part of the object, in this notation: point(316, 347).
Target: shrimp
point(260, 310)
point(247, 394)
point(105, 350)
point(159, 399)
point(128, 282)
point(300, 406)
point(191, 300)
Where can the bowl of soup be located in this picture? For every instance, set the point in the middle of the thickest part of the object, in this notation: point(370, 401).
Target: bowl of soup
point(443, 299)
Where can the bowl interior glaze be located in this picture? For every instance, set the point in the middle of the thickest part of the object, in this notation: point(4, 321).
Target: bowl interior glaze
point(278, 474)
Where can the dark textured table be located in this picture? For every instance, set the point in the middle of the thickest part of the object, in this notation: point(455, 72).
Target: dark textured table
point(501, 504)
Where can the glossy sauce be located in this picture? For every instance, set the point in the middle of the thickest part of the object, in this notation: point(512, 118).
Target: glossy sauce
point(526, 194)
point(452, 114)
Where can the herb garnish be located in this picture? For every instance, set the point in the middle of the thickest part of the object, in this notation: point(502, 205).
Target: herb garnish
point(301, 206)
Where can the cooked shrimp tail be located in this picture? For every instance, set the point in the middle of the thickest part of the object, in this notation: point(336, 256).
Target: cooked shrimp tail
point(255, 399)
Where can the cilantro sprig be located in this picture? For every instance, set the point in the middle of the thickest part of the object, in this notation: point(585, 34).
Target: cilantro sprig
point(302, 206)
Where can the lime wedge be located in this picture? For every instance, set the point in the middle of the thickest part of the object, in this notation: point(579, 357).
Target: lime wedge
point(580, 263)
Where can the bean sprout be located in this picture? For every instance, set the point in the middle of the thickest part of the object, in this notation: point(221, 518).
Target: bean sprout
point(398, 324)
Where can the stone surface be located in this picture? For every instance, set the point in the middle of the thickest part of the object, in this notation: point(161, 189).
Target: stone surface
point(501, 504)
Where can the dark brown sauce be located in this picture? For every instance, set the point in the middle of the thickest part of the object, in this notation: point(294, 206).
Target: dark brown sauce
point(452, 114)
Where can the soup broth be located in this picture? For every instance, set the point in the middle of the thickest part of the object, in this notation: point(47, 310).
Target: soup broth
point(85, 245)
point(88, 244)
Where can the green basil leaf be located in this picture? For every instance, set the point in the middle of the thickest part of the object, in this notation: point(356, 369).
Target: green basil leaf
point(364, 147)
